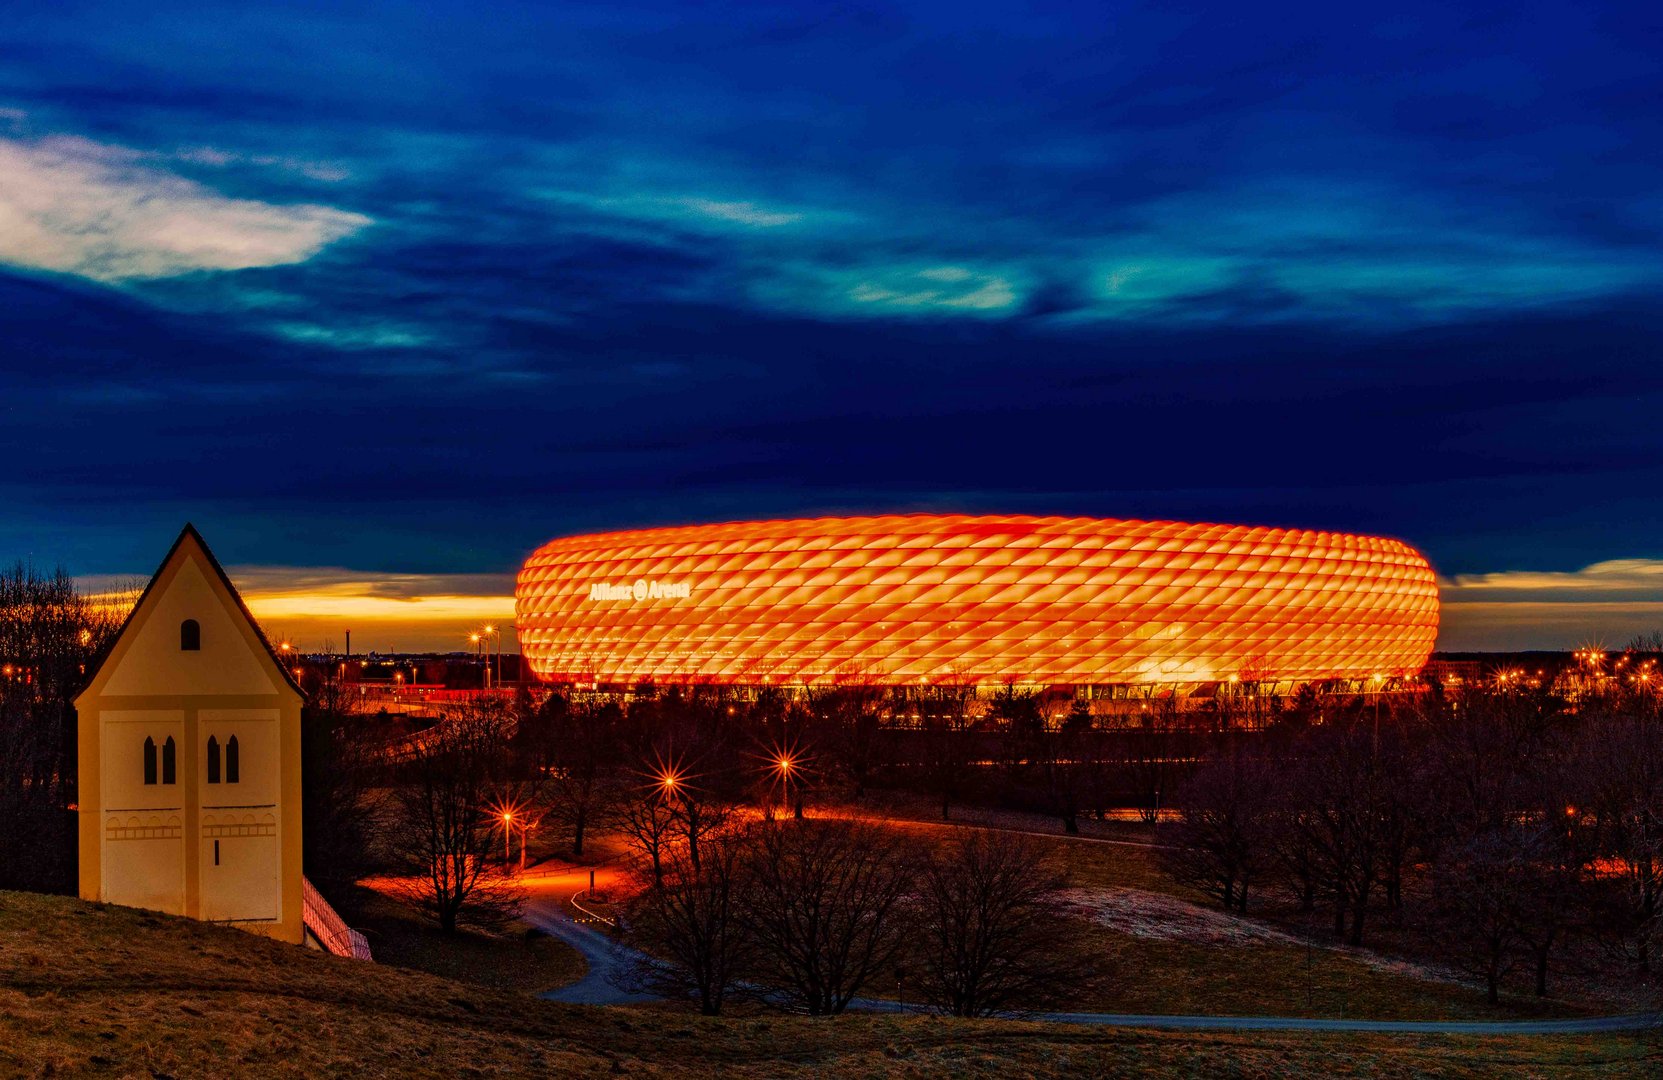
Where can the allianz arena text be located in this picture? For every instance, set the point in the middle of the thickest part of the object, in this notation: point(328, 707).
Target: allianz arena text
point(926, 599)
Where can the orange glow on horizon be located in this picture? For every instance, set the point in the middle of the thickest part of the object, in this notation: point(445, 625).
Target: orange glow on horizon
point(951, 598)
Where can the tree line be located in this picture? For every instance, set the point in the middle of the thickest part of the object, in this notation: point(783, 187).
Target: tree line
point(806, 915)
point(50, 635)
point(1504, 821)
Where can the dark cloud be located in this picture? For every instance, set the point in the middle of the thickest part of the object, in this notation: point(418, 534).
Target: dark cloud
point(640, 264)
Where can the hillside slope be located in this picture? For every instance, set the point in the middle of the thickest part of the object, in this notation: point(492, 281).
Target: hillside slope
point(94, 990)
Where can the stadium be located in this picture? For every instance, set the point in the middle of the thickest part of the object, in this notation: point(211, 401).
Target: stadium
point(988, 601)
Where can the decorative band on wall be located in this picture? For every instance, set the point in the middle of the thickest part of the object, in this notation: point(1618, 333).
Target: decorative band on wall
point(248, 825)
point(150, 827)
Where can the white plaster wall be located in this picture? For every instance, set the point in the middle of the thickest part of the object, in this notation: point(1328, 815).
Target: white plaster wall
point(244, 817)
point(145, 873)
point(154, 663)
point(257, 743)
point(244, 885)
point(121, 746)
point(142, 836)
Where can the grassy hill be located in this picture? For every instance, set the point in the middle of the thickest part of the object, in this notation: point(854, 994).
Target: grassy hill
point(102, 991)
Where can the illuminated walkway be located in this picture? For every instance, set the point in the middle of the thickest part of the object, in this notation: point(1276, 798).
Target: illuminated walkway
point(547, 909)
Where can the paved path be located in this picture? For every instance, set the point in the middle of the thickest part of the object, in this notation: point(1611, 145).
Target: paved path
point(1583, 1025)
point(548, 910)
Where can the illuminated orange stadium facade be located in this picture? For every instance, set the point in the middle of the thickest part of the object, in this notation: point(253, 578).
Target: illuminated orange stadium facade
point(929, 599)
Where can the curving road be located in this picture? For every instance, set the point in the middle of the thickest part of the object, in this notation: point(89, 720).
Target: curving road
point(547, 909)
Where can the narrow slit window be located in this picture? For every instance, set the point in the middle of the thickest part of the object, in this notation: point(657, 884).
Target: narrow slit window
point(213, 760)
point(233, 761)
point(190, 636)
point(170, 761)
point(149, 760)
point(216, 852)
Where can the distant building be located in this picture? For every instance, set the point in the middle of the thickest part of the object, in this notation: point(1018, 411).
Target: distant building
point(1107, 607)
point(189, 778)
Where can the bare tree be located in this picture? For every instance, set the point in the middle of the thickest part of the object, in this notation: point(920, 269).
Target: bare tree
point(688, 919)
point(1553, 898)
point(1293, 848)
point(1339, 782)
point(1649, 642)
point(50, 634)
point(1620, 758)
point(1220, 844)
point(945, 717)
point(691, 757)
point(700, 814)
point(580, 747)
point(649, 824)
point(848, 714)
point(824, 908)
point(989, 933)
point(1049, 752)
point(1400, 811)
point(1153, 749)
point(1069, 779)
point(338, 774)
point(1482, 755)
point(1481, 884)
point(446, 822)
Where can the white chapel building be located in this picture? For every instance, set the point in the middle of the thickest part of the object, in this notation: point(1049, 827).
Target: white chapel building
point(189, 735)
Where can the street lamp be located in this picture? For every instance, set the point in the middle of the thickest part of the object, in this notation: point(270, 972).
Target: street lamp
point(512, 819)
point(784, 764)
point(1377, 681)
point(490, 632)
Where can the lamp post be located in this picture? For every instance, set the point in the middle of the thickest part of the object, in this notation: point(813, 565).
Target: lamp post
point(490, 632)
point(782, 766)
point(1376, 680)
point(509, 823)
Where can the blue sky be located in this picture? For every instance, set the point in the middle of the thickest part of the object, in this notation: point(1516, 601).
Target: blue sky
point(390, 294)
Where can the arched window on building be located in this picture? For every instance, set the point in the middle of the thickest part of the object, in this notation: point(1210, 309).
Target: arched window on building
point(233, 761)
point(190, 636)
point(213, 760)
point(170, 762)
point(149, 760)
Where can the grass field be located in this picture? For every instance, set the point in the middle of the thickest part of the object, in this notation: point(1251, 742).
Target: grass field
point(1262, 979)
point(1284, 977)
point(103, 991)
point(519, 958)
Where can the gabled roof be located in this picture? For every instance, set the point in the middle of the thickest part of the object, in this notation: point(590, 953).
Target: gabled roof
point(96, 668)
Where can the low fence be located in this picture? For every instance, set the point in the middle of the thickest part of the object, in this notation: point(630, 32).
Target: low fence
point(332, 933)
